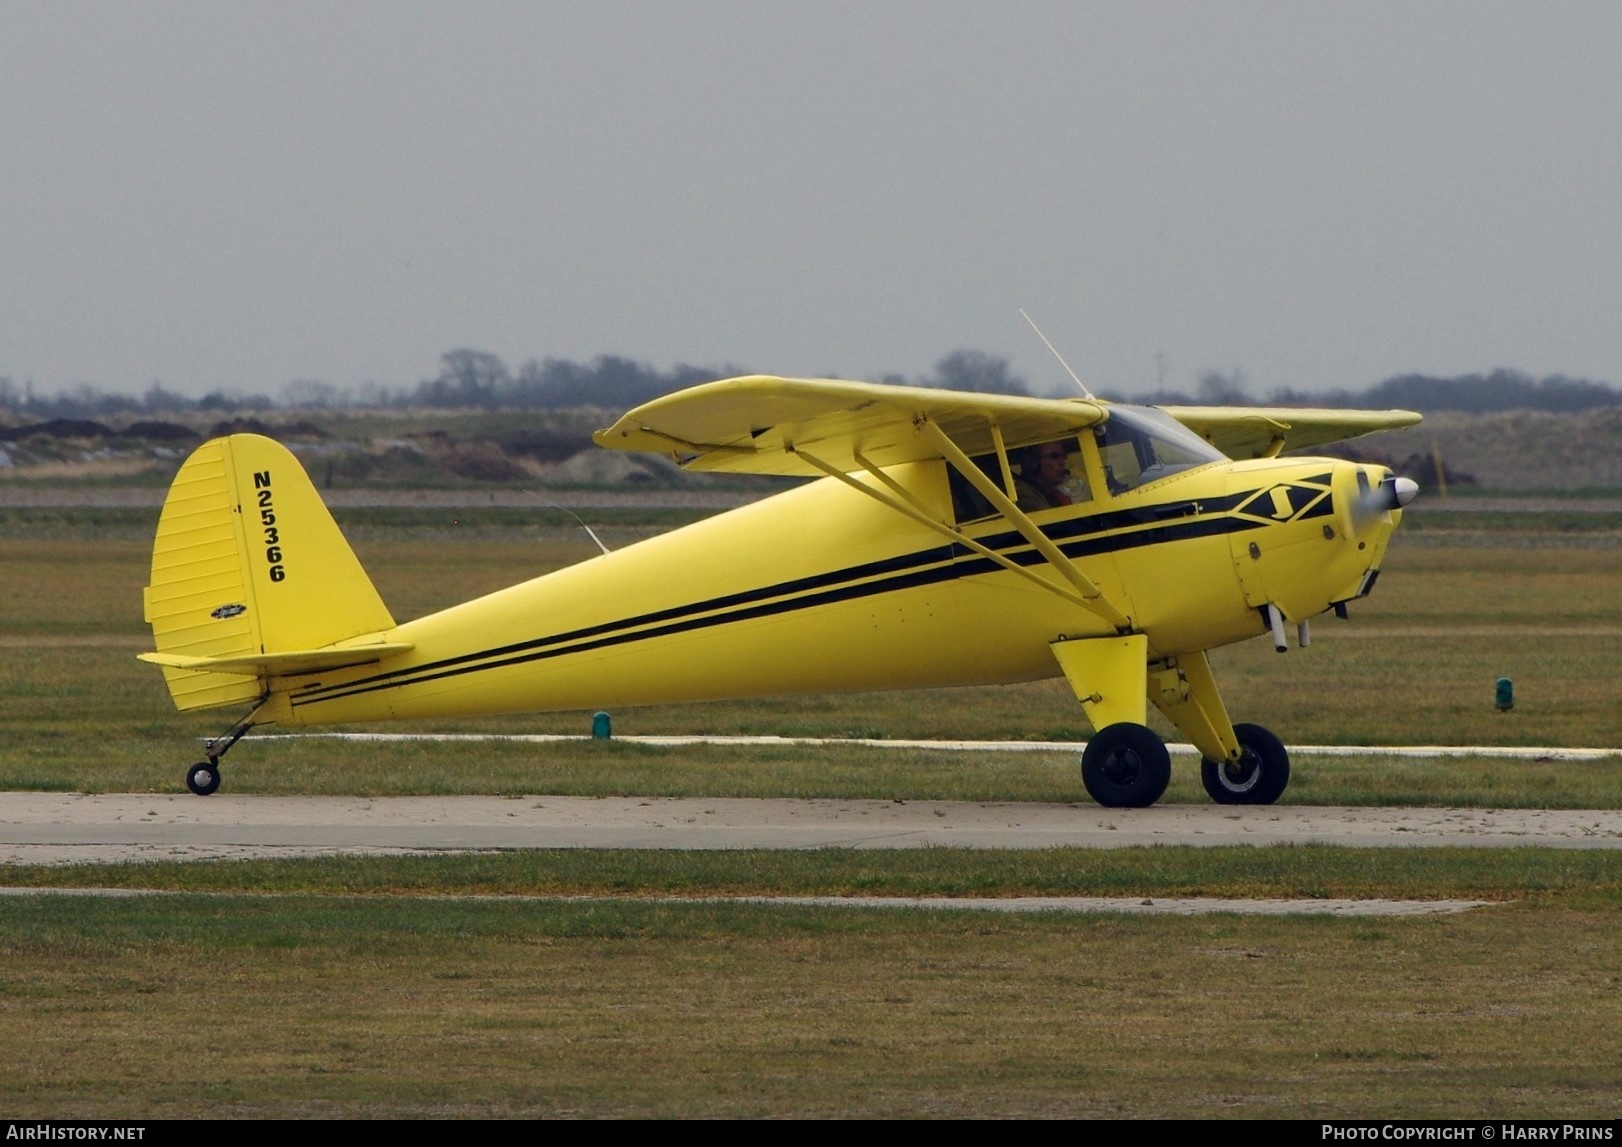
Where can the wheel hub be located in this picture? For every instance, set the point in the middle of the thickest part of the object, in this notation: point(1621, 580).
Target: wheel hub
point(1123, 766)
point(1241, 775)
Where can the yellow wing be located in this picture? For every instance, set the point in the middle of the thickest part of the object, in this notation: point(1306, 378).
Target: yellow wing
point(1259, 432)
point(753, 425)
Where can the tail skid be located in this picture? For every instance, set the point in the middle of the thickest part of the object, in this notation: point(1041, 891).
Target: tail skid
point(252, 579)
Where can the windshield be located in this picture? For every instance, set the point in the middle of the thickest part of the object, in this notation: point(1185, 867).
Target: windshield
point(1139, 444)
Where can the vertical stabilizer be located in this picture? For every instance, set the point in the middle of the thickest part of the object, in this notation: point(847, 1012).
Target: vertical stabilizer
point(247, 562)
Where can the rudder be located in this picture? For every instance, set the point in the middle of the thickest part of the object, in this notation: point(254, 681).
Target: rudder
point(248, 562)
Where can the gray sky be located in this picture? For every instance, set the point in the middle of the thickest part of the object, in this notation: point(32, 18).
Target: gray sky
point(237, 195)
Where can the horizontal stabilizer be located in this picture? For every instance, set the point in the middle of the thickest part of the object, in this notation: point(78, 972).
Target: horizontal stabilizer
point(281, 664)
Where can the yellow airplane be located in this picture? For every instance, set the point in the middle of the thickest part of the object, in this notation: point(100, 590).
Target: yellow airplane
point(953, 539)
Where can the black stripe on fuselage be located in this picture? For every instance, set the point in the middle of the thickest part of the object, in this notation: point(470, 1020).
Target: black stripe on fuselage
point(1178, 521)
point(733, 601)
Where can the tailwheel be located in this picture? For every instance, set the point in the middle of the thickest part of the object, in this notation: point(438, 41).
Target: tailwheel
point(203, 777)
point(1126, 766)
point(1257, 777)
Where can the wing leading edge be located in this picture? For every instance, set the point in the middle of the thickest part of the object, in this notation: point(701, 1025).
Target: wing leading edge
point(755, 425)
point(1259, 431)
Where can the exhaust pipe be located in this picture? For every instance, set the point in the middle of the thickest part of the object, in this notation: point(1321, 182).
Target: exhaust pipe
point(1275, 622)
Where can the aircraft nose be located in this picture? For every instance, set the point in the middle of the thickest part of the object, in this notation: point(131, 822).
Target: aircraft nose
point(1364, 494)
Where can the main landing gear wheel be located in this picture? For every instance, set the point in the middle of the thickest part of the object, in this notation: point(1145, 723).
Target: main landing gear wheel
point(1126, 766)
point(1257, 777)
point(203, 777)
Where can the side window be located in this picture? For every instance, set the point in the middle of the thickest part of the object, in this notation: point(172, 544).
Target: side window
point(1046, 475)
point(1119, 451)
point(968, 504)
point(1050, 474)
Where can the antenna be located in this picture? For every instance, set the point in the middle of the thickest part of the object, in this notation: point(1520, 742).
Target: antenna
point(563, 509)
point(1056, 353)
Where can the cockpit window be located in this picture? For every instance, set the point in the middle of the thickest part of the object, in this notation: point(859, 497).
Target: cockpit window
point(968, 504)
point(1040, 483)
point(1138, 444)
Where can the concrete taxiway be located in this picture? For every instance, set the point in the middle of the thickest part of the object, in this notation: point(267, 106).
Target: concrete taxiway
point(1128, 905)
point(60, 828)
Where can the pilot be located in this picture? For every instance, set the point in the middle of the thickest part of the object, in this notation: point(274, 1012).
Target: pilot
point(1043, 471)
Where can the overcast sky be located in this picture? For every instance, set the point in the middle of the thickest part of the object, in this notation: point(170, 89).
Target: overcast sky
point(233, 195)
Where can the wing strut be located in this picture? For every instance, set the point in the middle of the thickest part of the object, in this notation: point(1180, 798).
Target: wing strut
point(1093, 597)
point(906, 505)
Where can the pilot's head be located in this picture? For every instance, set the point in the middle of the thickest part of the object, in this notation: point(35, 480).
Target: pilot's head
point(1045, 464)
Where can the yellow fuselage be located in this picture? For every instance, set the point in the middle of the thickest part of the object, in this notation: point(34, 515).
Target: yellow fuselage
point(822, 589)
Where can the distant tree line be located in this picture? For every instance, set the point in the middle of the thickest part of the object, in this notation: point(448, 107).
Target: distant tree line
point(1500, 390)
point(1471, 393)
point(469, 378)
point(84, 401)
point(472, 379)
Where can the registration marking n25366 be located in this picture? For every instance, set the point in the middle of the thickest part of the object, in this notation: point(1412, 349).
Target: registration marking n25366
point(267, 522)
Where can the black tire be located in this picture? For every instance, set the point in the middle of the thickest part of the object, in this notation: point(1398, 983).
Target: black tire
point(203, 778)
point(1260, 774)
point(1126, 766)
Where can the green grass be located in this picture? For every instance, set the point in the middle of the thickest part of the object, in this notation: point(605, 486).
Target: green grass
point(341, 1007)
point(1570, 878)
point(1443, 518)
point(361, 987)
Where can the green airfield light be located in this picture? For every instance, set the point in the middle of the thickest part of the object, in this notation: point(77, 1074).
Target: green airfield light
point(1504, 694)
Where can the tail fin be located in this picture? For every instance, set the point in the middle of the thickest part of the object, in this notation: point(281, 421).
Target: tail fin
point(251, 578)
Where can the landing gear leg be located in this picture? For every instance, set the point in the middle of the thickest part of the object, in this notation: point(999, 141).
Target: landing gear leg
point(204, 777)
point(1242, 764)
point(1126, 764)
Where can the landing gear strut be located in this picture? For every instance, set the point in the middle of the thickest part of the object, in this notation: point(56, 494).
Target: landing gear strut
point(204, 777)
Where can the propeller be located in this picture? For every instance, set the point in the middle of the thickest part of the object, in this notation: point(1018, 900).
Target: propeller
point(1358, 503)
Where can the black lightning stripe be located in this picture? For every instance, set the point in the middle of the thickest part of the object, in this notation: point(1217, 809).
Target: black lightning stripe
point(1098, 534)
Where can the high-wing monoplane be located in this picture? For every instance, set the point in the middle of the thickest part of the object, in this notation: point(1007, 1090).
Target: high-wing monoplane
point(950, 539)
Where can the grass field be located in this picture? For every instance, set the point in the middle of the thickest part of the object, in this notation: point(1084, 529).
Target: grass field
point(368, 987)
point(332, 1006)
point(365, 987)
